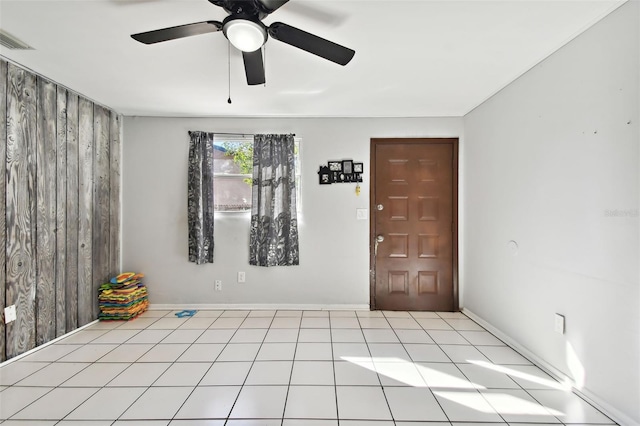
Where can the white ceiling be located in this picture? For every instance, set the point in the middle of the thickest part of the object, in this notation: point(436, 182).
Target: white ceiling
point(413, 58)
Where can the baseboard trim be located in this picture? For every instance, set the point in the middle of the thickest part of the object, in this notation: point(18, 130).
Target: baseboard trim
point(258, 306)
point(44, 345)
point(613, 413)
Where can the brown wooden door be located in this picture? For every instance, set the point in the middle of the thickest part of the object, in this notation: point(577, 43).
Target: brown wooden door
point(413, 210)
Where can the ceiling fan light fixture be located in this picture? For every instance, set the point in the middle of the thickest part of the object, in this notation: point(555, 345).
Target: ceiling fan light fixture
point(244, 34)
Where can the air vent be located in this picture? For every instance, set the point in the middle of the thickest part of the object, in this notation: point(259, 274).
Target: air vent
point(11, 42)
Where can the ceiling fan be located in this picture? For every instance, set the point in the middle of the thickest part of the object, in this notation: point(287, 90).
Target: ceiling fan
point(245, 30)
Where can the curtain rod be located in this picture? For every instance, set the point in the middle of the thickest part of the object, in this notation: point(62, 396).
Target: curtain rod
point(237, 134)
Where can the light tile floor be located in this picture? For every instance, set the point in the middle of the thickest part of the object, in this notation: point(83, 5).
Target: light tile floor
point(285, 368)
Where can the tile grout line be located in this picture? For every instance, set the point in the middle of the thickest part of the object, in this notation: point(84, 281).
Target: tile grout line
point(295, 351)
point(140, 357)
point(414, 363)
point(150, 349)
point(456, 366)
point(333, 369)
point(185, 351)
point(98, 388)
point(376, 368)
point(53, 388)
point(477, 390)
point(163, 372)
point(518, 384)
point(527, 391)
point(226, 420)
point(58, 359)
point(547, 409)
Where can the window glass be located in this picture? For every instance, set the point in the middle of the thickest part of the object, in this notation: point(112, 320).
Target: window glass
point(232, 171)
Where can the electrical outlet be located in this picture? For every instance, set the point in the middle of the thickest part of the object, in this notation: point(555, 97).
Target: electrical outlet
point(241, 277)
point(361, 214)
point(218, 285)
point(9, 314)
point(559, 324)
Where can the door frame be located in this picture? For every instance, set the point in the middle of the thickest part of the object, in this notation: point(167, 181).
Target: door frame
point(372, 208)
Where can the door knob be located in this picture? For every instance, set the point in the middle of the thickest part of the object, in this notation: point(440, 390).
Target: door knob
point(379, 239)
point(380, 207)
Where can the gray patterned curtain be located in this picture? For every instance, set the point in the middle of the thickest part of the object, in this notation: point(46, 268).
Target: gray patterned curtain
point(200, 197)
point(274, 222)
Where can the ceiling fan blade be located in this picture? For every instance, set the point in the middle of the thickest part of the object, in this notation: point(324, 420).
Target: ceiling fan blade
point(180, 31)
point(254, 67)
point(311, 43)
point(271, 6)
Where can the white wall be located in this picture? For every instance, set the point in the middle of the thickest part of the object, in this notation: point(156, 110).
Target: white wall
point(334, 247)
point(546, 159)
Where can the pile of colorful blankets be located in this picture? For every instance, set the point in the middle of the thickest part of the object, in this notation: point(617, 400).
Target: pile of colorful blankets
point(123, 298)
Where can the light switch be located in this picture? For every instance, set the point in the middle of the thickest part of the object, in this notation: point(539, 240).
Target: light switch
point(559, 324)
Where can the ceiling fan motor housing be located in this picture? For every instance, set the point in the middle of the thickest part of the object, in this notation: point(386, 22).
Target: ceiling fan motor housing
point(244, 7)
point(245, 32)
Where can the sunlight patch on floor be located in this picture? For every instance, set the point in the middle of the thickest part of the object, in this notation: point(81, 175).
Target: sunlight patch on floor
point(509, 404)
point(410, 373)
point(500, 402)
point(472, 400)
point(530, 377)
point(415, 375)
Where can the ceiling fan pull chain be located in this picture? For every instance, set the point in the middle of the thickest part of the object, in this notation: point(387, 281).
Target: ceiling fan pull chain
point(264, 55)
point(229, 69)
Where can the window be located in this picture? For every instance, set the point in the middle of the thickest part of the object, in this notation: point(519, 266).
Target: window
point(232, 172)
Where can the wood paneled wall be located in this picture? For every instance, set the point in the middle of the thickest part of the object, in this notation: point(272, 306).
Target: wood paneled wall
point(59, 207)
